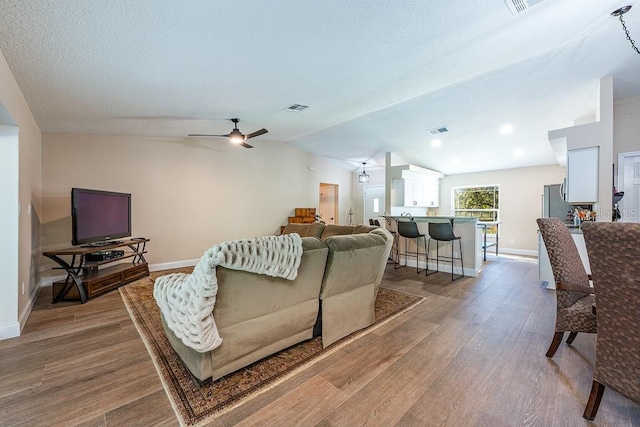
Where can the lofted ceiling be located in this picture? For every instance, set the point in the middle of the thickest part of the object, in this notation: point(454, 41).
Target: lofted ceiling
point(376, 74)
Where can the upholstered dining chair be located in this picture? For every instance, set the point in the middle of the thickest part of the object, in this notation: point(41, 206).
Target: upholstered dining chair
point(614, 256)
point(574, 295)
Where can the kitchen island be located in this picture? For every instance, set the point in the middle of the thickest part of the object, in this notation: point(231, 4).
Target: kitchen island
point(464, 227)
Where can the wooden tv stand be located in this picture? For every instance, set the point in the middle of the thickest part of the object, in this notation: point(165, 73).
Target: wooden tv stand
point(89, 278)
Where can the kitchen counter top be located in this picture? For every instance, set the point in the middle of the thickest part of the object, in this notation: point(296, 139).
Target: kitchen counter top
point(465, 227)
point(456, 219)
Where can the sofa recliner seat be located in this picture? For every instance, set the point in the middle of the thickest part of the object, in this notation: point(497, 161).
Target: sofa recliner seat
point(259, 315)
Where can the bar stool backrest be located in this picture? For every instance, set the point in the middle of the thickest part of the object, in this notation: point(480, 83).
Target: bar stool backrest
point(408, 229)
point(442, 231)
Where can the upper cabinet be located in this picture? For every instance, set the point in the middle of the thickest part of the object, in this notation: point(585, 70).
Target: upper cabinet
point(423, 192)
point(582, 175)
point(408, 192)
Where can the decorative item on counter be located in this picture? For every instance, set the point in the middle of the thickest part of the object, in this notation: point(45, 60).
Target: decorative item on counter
point(580, 215)
point(350, 217)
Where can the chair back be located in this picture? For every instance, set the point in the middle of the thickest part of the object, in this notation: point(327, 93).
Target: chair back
point(376, 222)
point(371, 222)
point(563, 254)
point(614, 257)
point(442, 231)
point(408, 229)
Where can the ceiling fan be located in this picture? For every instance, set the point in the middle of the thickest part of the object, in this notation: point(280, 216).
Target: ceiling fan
point(237, 137)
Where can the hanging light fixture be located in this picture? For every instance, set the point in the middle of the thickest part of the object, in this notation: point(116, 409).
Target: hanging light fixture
point(363, 178)
point(619, 13)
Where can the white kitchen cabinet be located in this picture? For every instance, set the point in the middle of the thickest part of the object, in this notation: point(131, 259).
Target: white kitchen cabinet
point(408, 192)
point(582, 175)
point(432, 193)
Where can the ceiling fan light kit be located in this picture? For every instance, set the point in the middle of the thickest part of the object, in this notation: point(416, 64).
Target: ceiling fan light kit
point(235, 136)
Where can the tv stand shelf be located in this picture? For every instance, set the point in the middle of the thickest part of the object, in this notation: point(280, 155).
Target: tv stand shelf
point(87, 279)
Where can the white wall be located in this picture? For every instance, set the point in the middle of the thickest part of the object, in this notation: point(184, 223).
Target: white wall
point(13, 313)
point(521, 192)
point(626, 126)
point(376, 177)
point(600, 134)
point(9, 326)
point(187, 194)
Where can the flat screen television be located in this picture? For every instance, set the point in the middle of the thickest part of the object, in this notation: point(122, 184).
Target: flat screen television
point(98, 216)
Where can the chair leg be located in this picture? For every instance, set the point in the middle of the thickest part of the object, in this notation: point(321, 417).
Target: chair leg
point(597, 389)
point(572, 336)
point(417, 256)
point(452, 261)
point(426, 257)
point(557, 339)
point(461, 257)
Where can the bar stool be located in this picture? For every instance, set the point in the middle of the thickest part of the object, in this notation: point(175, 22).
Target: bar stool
point(409, 230)
point(443, 232)
point(393, 254)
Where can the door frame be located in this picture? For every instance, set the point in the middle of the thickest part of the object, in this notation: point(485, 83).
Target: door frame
point(336, 210)
point(621, 158)
point(364, 200)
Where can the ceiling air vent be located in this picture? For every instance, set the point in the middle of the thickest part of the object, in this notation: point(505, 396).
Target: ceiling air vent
point(436, 131)
point(517, 6)
point(296, 108)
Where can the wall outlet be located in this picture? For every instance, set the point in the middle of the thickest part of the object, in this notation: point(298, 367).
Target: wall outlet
point(513, 240)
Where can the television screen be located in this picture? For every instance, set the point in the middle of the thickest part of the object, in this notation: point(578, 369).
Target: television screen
point(99, 215)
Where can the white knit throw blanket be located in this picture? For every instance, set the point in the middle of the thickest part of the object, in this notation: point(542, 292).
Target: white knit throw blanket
point(187, 300)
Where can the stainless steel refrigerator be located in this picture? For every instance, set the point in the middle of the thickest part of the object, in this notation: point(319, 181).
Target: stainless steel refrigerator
point(553, 204)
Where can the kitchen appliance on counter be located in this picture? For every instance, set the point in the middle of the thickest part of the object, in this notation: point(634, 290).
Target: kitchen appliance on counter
point(554, 205)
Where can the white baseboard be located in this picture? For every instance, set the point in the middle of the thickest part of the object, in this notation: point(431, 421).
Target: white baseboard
point(32, 300)
point(10, 330)
point(512, 251)
point(444, 268)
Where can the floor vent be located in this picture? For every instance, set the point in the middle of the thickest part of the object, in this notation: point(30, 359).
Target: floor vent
point(296, 108)
point(436, 131)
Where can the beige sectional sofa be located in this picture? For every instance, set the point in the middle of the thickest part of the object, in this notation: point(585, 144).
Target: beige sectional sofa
point(258, 315)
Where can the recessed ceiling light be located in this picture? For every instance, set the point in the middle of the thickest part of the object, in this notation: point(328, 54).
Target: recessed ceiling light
point(455, 161)
point(518, 152)
point(436, 143)
point(506, 129)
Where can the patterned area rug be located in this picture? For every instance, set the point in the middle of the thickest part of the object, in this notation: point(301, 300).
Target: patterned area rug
point(196, 402)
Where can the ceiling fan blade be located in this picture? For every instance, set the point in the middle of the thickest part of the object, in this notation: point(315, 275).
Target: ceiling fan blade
point(204, 134)
point(245, 145)
point(256, 133)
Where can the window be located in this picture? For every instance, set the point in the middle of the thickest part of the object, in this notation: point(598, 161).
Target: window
point(479, 202)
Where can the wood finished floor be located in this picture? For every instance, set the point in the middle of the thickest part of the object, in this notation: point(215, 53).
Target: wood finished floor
point(471, 354)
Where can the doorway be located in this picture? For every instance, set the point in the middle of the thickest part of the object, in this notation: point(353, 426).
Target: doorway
point(629, 182)
point(373, 203)
point(9, 225)
point(329, 203)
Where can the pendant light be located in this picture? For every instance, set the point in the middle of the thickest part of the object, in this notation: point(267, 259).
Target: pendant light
point(363, 178)
point(619, 13)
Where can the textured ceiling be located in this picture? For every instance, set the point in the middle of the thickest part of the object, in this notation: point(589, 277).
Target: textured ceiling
point(375, 74)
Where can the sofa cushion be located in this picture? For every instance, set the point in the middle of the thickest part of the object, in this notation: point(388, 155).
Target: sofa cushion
point(349, 284)
point(305, 230)
point(341, 230)
point(353, 261)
